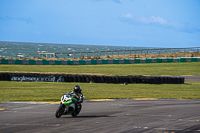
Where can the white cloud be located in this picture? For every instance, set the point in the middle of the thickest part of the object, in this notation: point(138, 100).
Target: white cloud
point(127, 16)
point(151, 20)
point(159, 21)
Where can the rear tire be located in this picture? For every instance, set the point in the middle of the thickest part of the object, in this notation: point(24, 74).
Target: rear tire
point(77, 110)
point(59, 111)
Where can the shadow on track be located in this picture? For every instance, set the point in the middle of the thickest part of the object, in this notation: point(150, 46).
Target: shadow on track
point(89, 116)
point(94, 116)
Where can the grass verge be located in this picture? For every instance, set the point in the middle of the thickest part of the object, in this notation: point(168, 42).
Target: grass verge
point(50, 91)
point(187, 68)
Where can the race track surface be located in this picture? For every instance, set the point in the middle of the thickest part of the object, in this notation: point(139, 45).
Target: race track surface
point(192, 78)
point(118, 116)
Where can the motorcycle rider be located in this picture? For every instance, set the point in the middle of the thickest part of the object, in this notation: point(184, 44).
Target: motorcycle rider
point(78, 93)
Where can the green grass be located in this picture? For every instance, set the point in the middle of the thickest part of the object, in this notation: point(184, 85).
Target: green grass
point(187, 68)
point(50, 91)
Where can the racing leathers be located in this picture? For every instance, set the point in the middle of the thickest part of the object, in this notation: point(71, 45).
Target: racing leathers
point(79, 96)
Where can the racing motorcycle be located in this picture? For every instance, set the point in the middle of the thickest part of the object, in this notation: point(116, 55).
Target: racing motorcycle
point(68, 107)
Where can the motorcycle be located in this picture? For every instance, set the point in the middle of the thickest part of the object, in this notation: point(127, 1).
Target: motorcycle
point(68, 107)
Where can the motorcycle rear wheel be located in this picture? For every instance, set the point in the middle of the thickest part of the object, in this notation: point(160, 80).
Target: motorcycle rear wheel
point(59, 111)
point(77, 110)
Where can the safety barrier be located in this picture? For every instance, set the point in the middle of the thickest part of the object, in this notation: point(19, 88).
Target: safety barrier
point(91, 78)
point(99, 61)
point(112, 53)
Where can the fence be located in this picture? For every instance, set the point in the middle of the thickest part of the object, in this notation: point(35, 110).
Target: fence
point(99, 61)
point(118, 52)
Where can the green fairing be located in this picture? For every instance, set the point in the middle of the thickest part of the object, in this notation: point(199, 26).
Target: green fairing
point(61, 98)
point(74, 98)
point(69, 102)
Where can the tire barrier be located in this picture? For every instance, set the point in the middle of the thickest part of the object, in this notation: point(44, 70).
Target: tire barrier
point(129, 79)
point(5, 76)
point(99, 61)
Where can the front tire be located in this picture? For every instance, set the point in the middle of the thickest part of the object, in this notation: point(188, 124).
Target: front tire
point(77, 110)
point(59, 111)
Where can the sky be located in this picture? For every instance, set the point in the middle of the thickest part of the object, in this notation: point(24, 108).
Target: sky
point(139, 23)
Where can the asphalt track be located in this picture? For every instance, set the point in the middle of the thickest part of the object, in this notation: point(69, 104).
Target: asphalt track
point(192, 78)
point(117, 116)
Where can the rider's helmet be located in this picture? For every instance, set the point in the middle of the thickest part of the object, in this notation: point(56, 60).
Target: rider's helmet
point(77, 88)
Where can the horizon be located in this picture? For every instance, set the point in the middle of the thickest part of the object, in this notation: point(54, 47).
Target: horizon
point(127, 23)
point(98, 45)
point(76, 44)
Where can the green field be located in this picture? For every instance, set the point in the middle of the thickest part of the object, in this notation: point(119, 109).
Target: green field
point(49, 91)
point(187, 68)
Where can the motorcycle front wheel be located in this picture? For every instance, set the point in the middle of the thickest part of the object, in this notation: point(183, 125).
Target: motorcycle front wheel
point(59, 111)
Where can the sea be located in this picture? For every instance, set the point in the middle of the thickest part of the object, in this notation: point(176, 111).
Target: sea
point(24, 49)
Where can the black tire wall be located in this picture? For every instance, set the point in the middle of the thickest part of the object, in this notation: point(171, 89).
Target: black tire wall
point(91, 78)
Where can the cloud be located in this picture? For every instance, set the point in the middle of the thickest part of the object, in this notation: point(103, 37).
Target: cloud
point(27, 20)
point(159, 21)
point(151, 20)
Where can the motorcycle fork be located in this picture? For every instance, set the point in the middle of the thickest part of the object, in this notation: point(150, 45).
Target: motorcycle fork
point(66, 109)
